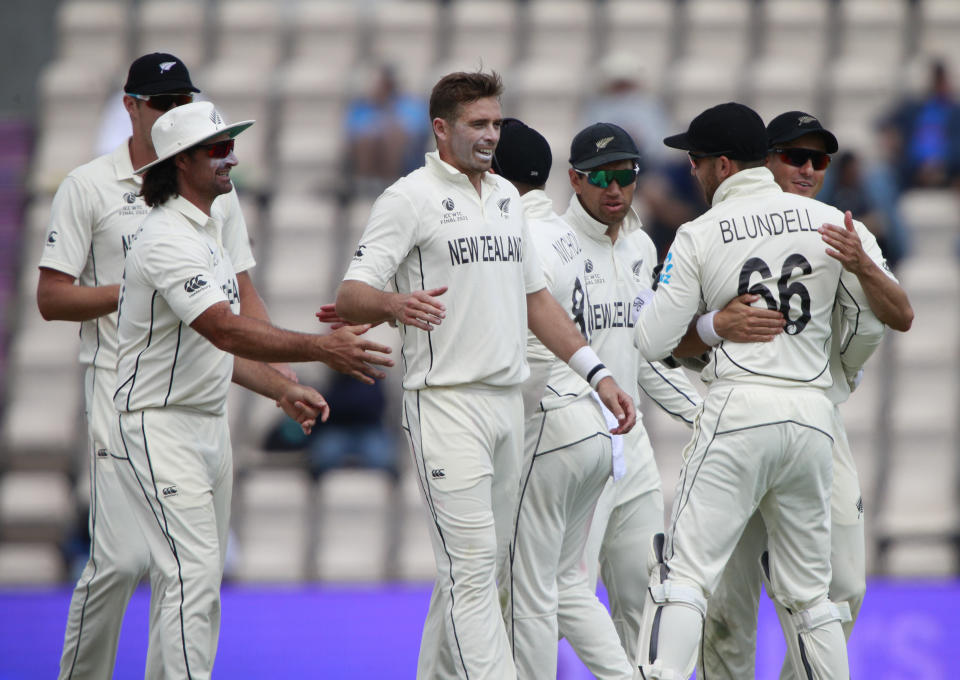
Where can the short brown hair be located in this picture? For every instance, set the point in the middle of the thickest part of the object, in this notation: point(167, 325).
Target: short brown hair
point(455, 89)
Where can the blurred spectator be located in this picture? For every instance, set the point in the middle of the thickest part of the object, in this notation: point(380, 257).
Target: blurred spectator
point(623, 99)
point(871, 199)
point(666, 192)
point(386, 131)
point(926, 135)
point(354, 435)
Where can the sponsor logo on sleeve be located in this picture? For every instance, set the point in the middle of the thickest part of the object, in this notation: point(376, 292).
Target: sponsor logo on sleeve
point(195, 284)
point(52, 238)
point(667, 272)
point(359, 252)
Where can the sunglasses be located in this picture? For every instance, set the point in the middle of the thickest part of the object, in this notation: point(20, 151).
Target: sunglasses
point(604, 178)
point(220, 149)
point(798, 157)
point(163, 102)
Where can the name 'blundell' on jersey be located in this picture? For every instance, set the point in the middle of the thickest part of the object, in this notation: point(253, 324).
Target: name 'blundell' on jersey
point(758, 239)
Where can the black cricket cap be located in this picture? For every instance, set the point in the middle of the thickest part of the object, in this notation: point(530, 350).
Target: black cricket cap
point(158, 73)
point(732, 130)
point(602, 143)
point(522, 154)
point(793, 124)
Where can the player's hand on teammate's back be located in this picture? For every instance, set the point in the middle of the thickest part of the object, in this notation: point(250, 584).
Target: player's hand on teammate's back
point(420, 308)
point(845, 245)
point(741, 322)
point(346, 351)
point(304, 404)
point(619, 403)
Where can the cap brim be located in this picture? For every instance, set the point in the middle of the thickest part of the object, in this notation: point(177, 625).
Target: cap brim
point(165, 87)
point(603, 159)
point(231, 130)
point(678, 142)
point(830, 142)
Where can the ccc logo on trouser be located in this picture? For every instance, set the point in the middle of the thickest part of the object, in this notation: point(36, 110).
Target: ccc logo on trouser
point(192, 285)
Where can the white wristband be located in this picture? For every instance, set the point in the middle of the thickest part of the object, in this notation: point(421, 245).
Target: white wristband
point(706, 330)
point(588, 366)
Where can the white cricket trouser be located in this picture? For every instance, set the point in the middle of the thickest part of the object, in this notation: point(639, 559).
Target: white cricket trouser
point(629, 512)
point(567, 460)
point(119, 557)
point(179, 481)
point(756, 449)
point(730, 628)
point(467, 445)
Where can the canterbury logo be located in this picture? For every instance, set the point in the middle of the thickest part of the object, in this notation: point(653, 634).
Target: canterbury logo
point(169, 491)
point(194, 284)
point(438, 473)
point(803, 120)
point(166, 66)
point(602, 143)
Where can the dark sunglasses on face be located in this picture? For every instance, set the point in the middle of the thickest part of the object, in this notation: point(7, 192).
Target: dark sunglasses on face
point(798, 157)
point(163, 102)
point(220, 149)
point(604, 178)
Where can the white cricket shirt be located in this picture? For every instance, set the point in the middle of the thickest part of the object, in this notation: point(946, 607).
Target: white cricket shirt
point(839, 392)
point(430, 229)
point(552, 383)
point(95, 213)
point(616, 273)
point(757, 238)
point(175, 269)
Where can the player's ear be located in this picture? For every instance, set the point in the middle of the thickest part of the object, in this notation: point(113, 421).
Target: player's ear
point(574, 179)
point(441, 128)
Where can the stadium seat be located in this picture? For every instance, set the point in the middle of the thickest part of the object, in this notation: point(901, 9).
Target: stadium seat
point(788, 28)
point(775, 84)
point(404, 34)
point(561, 32)
point(174, 26)
point(93, 32)
point(326, 33)
point(249, 31)
point(872, 30)
point(693, 85)
point(482, 33)
point(718, 30)
point(644, 29)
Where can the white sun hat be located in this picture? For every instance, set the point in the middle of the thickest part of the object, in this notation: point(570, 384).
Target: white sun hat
point(184, 126)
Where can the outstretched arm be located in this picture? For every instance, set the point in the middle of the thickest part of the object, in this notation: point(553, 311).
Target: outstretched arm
point(344, 350)
point(302, 403)
point(886, 297)
point(362, 303)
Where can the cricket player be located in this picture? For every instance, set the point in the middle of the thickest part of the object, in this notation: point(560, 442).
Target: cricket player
point(619, 259)
point(568, 455)
point(763, 441)
point(180, 342)
point(452, 240)
point(798, 157)
point(95, 214)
